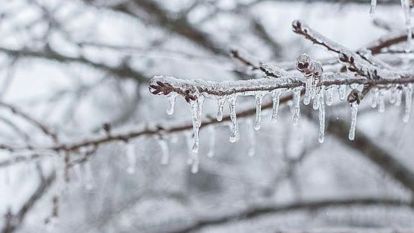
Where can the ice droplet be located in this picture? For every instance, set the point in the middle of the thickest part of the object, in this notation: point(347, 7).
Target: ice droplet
point(234, 137)
point(131, 153)
point(171, 99)
point(276, 101)
point(354, 114)
point(408, 91)
point(296, 104)
point(257, 124)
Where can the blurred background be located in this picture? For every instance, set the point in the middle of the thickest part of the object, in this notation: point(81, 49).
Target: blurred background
point(77, 65)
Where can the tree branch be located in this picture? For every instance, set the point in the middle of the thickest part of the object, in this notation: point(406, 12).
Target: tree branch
point(259, 211)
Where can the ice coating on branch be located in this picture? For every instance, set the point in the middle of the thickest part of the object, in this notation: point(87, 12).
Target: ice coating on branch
point(196, 109)
point(220, 105)
point(296, 104)
point(408, 92)
point(165, 151)
point(234, 137)
point(171, 99)
point(321, 136)
point(252, 140)
point(212, 145)
point(276, 102)
point(373, 7)
point(257, 123)
point(132, 161)
point(354, 114)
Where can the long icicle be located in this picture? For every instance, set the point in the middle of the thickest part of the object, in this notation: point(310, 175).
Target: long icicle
point(408, 91)
point(354, 114)
point(296, 105)
point(196, 107)
point(276, 102)
point(258, 121)
point(234, 137)
point(321, 137)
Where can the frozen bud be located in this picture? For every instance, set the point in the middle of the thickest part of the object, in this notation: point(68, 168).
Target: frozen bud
point(317, 69)
point(303, 63)
point(355, 96)
point(297, 25)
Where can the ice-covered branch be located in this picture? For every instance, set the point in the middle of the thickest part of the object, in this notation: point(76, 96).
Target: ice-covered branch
point(191, 89)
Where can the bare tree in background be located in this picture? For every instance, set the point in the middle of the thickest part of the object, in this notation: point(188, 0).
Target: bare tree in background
point(323, 144)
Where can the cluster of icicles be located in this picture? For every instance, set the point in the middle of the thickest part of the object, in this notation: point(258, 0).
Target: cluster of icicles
point(320, 95)
point(406, 6)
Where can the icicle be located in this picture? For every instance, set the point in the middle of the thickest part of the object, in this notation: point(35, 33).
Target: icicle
point(342, 92)
point(316, 103)
point(259, 98)
point(393, 96)
point(296, 105)
point(130, 153)
point(234, 137)
point(196, 107)
point(220, 106)
point(374, 98)
point(252, 140)
point(165, 159)
point(171, 99)
point(408, 91)
point(308, 90)
point(398, 97)
point(329, 97)
point(381, 102)
point(354, 113)
point(276, 100)
point(407, 16)
point(373, 6)
point(321, 98)
point(212, 145)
